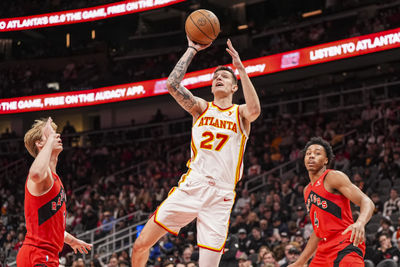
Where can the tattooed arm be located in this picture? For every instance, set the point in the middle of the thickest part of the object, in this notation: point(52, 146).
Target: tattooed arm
point(193, 105)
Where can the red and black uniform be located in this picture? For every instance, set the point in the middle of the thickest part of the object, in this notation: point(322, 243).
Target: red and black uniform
point(45, 223)
point(330, 215)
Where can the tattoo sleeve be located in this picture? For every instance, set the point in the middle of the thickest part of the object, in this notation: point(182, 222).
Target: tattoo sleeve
point(182, 95)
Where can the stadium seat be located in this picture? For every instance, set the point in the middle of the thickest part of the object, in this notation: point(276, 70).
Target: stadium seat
point(369, 263)
point(384, 187)
point(394, 217)
point(376, 218)
point(396, 182)
point(372, 227)
point(387, 263)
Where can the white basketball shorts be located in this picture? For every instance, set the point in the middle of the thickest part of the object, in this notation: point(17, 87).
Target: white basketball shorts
point(203, 198)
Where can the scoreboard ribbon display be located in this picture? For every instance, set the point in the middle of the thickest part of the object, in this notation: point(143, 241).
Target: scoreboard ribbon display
point(332, 51)
point(82, 15)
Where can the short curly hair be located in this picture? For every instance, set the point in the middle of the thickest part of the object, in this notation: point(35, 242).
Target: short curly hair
point(325, 144)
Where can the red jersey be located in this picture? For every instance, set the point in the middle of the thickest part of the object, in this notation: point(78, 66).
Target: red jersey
point(45, 218)
point(330, 213)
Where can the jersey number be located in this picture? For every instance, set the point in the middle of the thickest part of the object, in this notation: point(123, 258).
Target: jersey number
point(316, 221)
point(209, 137)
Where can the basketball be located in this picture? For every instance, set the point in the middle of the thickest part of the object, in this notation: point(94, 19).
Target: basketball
point(202, 26)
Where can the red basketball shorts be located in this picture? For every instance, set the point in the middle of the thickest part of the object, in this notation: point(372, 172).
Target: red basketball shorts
point(338, 251)
point(30, 256)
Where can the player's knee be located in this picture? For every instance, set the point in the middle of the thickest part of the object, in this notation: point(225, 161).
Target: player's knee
point(140, 245)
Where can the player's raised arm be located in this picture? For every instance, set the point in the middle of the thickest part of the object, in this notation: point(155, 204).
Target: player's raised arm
point(193, 105)
point(252, 109)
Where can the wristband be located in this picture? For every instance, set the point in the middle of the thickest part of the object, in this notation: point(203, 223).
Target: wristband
point(193, 48)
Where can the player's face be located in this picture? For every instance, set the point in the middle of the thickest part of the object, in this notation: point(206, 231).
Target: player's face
point(223, 82)
point(315, 158)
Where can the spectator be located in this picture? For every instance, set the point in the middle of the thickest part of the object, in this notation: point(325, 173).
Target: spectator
point(257, 261)
point(79, 263)
point(113, 262)
point(396, 234)
point(358, 181)
point(228, 259)
point(278, 225)
point(385, 250)
point(191, 264)
point(187, 254)
point(243, 261)
point(123, 263)
point(301, 217)
point(3, 262)
point(284, 238)
point(269, 260)
point(341, 163)
point(265, 229)
point(378, 203)
point(89, 218)
point(107, 223)
point(168, 263)
point(293, 255)
point(242, 201)
point(255, 168)
point(256, 241)
point(299, 239)
point(287, 196)
point(238, 223)
point(285, 259)
point(243, 240)
point(68, 129)
point(391, 205)
point(158, 117)
point(252, 221)
point(94, 263)
point(386, 226)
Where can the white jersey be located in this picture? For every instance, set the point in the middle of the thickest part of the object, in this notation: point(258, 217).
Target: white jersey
point(218, 144)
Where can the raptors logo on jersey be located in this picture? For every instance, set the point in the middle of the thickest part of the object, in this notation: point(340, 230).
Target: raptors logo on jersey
point(329, 213)
point(218, 142)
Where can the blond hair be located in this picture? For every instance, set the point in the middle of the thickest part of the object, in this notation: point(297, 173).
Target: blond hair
point(35, 134)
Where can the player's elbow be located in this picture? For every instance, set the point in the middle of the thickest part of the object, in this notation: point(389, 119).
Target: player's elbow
point(368, 203)
point(254, 113)
point(35, 176)
point(171, 85)
point(372, 204)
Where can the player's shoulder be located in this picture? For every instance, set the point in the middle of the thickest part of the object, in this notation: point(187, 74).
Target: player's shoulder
point(305, 188)
point(199, 108)
point(336, 173)
point(336, 177)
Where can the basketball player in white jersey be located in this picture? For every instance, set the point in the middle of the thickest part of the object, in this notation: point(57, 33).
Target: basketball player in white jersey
point(219, 134)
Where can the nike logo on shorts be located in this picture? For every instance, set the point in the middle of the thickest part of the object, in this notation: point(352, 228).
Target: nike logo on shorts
point(226, 199)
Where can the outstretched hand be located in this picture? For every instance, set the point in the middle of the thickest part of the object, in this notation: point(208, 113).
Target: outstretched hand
point(236, 62)
point(357, 233)
point(81, 246)
point(48, 129)
point(197, 46)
